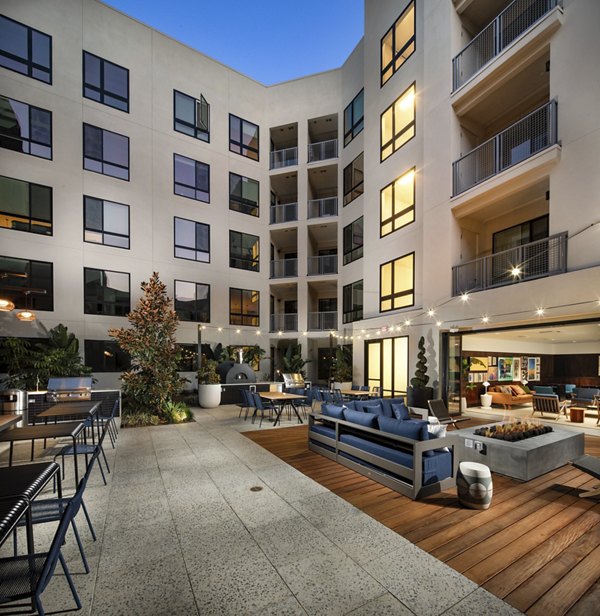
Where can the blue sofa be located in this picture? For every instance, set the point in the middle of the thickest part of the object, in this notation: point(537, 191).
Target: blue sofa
point(395, 452)
point(584, 395)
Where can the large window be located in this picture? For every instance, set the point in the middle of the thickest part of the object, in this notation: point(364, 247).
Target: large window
point(191, 178)
point(25, 50)
point(354, 117)
point(244, 251)
point(105, 82)
point(243, 194)
point(106, 356)
point(192, 240)
point(192, 301)
point(244, 307)
point(243, 137)
point(28, 284)
point(354, 179)
point(398, 123)
point(105, 222)
point(192, 116)
point(387, 365)
point(25, 206)
point(105, 292)
point(25, 128)
point(353, 241)
point(397, 203)
point(105, 152)
point(397, 283)
point(352, 295)
point(398, 43)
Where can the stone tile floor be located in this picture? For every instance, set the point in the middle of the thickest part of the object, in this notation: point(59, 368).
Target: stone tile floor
point(180, 532)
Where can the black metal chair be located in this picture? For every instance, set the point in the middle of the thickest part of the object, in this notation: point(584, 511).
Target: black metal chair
point(438, 409)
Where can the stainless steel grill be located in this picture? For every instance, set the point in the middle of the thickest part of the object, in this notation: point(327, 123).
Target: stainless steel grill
point(69, 389)
point(294, 379)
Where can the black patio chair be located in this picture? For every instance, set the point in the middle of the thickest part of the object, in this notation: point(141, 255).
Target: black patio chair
point(260, 405)
point(438, 409)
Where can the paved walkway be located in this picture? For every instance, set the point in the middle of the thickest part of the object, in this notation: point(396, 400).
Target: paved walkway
point(181, 531)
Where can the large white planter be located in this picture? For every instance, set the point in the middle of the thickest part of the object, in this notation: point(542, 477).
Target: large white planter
point(209, 396)
point(486, 401)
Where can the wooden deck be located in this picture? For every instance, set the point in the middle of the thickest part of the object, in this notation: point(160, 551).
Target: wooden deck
point(537, 547)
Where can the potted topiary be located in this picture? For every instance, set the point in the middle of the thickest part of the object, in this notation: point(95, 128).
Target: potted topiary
point(342, 368)
point(209, 384)
point(418, 392)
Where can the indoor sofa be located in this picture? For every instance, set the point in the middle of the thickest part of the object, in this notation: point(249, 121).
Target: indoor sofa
point(509, 394)
point(584, 396)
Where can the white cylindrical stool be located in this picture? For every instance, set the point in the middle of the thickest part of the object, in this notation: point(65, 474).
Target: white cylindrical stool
point(474, 485)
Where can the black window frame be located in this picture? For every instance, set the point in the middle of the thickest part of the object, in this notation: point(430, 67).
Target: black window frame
point(195, 249)
point(188, 361)
point(353, 252)
point(196, 311)
point(11, 286)
point(202, 134)
point(243, 317)
point(397, 215)
point(30, 219)
point(6, 137)
point(357, 125)
point(352, 312)
point(29, 63)
point(104, 302)
point(101, 90)
point(105, 349)
point(394, 295)
point(101, 230)
point(241, 204)
point(398, 54)
point(529, 223)
point(412, 124)
point(352, 191)
point(197, 188)
point(101, 160)
point(240, 144)
point(239, 261)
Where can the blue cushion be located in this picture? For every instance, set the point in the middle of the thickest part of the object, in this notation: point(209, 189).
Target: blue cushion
point(351, 405)
point(387, 405)
point(323, 430)
point(372, 407)
point(544, 390)
point(368, 420)
point(410, 428)
point(331, 410)
point(400, 411)
point(389, 453)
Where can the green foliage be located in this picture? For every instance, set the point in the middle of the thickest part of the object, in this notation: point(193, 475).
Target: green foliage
point(135, 420)
point(420, 380)
point(342, 364)
point(152, 380)
point(292, 359)
point(178, 412)
point(252, 355)
point(207, 374)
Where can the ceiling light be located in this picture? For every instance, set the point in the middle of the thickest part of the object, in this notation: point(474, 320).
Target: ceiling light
point(26, 315)
point(6, 305)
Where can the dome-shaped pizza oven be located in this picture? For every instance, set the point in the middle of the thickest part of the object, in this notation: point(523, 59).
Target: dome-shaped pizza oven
point(232, 373)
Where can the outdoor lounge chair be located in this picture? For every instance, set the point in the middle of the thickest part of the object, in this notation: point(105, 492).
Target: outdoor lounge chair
point(590, 465)
point(438, 409)
point(549, 404)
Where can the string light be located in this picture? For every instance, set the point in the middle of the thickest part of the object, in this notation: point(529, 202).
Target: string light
point(407, 322)
point(485, 319)
point(430, 312)
point(439, 323)
point(540, 312)
point(516, 271)
point(464, 296)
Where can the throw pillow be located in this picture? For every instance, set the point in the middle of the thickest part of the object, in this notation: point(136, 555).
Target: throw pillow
point(410, 428)
point(519, 391)
point(369, 420)
point(400, 411)
point(505, 389)
point(331, 410)
point(437, 430)
point(372, 407)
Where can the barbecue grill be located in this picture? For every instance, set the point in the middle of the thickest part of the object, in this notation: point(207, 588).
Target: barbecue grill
point(69, 389)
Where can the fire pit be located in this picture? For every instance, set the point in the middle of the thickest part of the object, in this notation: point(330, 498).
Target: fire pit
point(515, 431)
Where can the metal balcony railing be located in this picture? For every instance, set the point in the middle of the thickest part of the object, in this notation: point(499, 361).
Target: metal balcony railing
point(545, 257)
point(327, 264)
point(284, 212)
point(284, 322)
point(284, 268)
point(510, 24)
point(284, 158)
point(322, 150)
point(523, 139)
point(322, 321)
point(319, 208)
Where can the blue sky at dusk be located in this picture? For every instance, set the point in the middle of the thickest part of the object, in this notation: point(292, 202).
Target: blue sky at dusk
point(268, 40)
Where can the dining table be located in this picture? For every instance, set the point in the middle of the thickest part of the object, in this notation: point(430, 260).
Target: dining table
point(280, 400)
point(75, 410)
point(357, 393)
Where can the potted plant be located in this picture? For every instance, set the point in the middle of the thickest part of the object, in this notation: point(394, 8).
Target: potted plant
point(209, 384)
point(418, 392)
point(342, 368)
point(292, 360)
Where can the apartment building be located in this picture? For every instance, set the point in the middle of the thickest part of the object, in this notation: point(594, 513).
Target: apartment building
point(443, 181)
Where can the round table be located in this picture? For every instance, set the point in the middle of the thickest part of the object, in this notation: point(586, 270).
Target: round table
point(474, 485)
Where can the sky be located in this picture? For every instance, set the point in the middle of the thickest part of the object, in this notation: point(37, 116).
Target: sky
point(268, 40)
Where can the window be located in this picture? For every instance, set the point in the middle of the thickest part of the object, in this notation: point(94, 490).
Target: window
point(243, 137)
point(25, 50)
point(25, 206)
point(105, 152)
point(25, 128)
point(192, 178)
point(188, 361)
point(244, 251)
point(397, 283)
point(352, 297)
point(398, 123)
point(398, 43)
point(192, 240)
point(105, 82)
point(354, 118)
point(192, 116)
point(106, 356)
point(353, 179)
point(192, 301)
point(353, 241)
point(523, 233)
point(105, 292)
point(397, 203)
point(386, 365)
point(244, 307)
point(105, 222)
point(243, 194)
point(31, 284)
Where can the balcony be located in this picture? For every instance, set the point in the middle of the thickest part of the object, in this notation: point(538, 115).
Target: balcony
point(322, 150)
point(319, 208)
point(284, 212)
point(322, 321)
point(318, 266)
point(523, 139)
point(283, 158)
point(515, 20)
point(284, 268)
point(284, 322)
point(546, 257)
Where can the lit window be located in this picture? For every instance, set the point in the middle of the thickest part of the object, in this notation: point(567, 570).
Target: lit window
point(397, 202)
point(396, 283)
point(354, 116)
point(25, 50)
point(105, 152)
point(398, 43)
point(192, 240)
point(243, 194)
point(192, 116)
point(192, 301)
point(106, 292)
point(191, 178)
point(25, 128)
point(353, 241)
point(25, 206)
point(353, 302)
point(398, 123)
point(243, 137)
point(244, 307)
point(105, 82)
point(354, 179)
point(244, 251)
point(105, 222)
